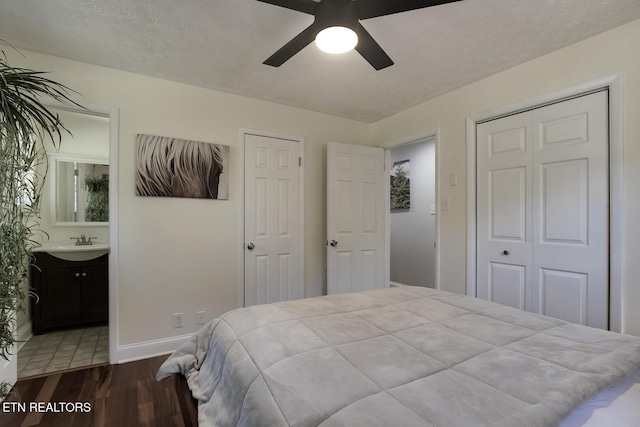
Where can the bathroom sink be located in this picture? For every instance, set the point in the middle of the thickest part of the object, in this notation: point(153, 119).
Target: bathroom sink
point(69, 251)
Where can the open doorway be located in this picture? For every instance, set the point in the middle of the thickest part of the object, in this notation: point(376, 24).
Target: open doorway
point(412, 220)
point(66, 326)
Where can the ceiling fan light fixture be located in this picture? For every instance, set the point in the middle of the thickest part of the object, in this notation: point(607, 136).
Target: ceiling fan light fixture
point(337, 22)
point(336, 40)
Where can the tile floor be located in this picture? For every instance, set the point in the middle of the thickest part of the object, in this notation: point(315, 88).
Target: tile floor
point(64, 349)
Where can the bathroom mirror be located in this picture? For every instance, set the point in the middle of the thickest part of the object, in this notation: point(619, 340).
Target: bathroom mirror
point(79, 190)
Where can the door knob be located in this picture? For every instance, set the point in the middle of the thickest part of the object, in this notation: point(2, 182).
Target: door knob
point(505, 252)
point(333, 243)
point(251, 246)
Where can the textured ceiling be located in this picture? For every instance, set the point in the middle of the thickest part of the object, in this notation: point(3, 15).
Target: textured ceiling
point(220, 44)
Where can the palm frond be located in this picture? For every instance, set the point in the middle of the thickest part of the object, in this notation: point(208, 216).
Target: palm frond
point(24, 122)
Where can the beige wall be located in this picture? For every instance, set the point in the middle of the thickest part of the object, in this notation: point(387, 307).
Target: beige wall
point(181, 255)
point(606, 54)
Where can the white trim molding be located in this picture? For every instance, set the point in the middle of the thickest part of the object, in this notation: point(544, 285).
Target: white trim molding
point(147, 349)
point(23, 334)
point(616, 184)
point(395, 285)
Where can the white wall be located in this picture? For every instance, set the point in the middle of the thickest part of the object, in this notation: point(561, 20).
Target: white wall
point(181, 255)
point(608, 53)
point(413, 232)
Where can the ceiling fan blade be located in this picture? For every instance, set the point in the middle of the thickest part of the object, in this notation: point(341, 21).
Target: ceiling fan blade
point(298, 43)
point(375, 8)
point(306, 6)
point(371, 50)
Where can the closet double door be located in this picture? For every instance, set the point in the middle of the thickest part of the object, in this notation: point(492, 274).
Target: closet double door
point(543, 210)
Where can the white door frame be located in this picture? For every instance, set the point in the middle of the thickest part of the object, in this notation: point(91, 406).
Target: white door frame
point(435, 134)
point(616, 177)
point(112, 113)
point(241, 206)
point(113, 231)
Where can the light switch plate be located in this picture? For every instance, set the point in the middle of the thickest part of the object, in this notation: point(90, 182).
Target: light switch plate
point(445, 204)
point(453, 179)
point(433, 209)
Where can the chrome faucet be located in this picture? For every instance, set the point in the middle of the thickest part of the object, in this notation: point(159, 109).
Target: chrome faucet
point(82, 240)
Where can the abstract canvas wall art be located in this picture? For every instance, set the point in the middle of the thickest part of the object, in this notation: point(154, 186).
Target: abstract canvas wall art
point(173, 167)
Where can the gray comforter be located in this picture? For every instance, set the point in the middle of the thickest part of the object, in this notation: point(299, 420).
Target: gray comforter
point(403, 356)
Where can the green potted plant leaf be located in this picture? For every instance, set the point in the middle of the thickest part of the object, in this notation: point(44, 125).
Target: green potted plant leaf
point(24, 122)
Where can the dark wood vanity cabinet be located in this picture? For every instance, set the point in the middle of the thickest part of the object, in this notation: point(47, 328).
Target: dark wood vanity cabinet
point(68, 292)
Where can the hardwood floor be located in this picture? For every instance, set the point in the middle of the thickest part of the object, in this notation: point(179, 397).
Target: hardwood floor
point(126, 395)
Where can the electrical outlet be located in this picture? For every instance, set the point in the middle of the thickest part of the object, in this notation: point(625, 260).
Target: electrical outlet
point(178, 320)
point(200, 316)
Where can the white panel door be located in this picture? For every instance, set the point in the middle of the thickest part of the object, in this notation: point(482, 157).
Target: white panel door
point(571, 210)
point(355, 218)
point(504, 217)
point(272, 261)
point(542, 203)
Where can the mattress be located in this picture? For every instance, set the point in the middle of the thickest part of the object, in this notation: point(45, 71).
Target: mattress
point(618, 406)
point(401, 356)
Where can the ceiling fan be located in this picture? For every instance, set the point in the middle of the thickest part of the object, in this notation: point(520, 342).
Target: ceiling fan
point(337, 28)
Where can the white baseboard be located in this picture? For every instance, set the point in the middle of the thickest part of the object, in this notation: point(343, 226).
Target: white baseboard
point(23, 334)
point(396, 284)
point(147, 349)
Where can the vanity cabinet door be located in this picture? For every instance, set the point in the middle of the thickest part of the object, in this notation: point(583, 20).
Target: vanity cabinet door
point(69, 293)
point(60, 293)
point(95, 291)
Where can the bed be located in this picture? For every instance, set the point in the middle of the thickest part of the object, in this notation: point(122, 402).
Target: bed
point(405, 356)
